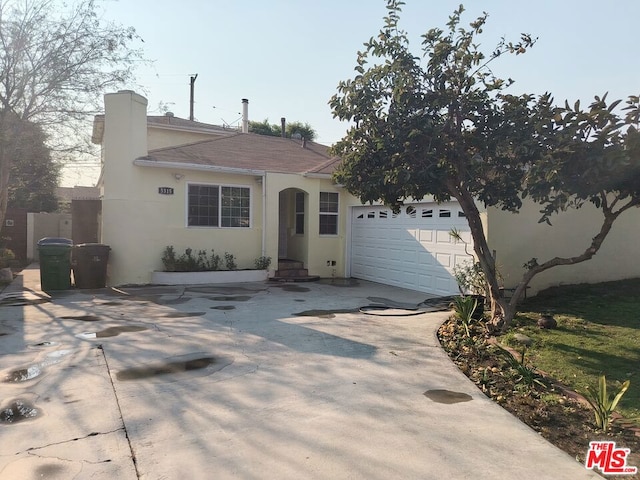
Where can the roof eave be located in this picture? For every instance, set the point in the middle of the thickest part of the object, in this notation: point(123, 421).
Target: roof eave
point(146, 162)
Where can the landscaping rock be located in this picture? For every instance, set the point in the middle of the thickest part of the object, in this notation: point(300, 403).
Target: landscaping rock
point(6, 276)
point(547, 321)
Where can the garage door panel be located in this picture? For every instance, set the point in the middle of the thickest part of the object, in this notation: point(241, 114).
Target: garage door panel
point(412, 249)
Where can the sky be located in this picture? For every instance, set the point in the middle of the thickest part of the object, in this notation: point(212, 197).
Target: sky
point(287, 57)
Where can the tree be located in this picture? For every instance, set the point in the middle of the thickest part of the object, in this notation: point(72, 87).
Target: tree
point(34, 174)
point(55, 64)
point(304, 130)
point(442, 125)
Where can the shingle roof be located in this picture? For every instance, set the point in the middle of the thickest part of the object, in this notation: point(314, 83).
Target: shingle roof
point(163, 121)
point(183, 122)
point(252, 152)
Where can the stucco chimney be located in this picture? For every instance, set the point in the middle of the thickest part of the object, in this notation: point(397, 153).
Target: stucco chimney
point(283, 121)
point(245, 115)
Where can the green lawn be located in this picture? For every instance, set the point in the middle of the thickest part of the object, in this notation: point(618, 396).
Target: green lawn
point(598, 332)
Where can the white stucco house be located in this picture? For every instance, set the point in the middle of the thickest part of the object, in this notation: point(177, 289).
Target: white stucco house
point(170, 181)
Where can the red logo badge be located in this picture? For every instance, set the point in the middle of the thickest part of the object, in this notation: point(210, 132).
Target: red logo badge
point(609, 459)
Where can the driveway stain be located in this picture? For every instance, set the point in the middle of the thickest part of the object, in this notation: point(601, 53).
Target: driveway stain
point(44, 344)
point(18, 411)
point(22, 300)
point(83, 318)
point(339, 282)
point(224, 307)
point(447, 396)
point(239, 298)
point(210, 364)
point(213, 290)
point(23, 374)
point(325, 313)
point(173, 301)
point(293, 288)
point(34, 371)
point(112, 332)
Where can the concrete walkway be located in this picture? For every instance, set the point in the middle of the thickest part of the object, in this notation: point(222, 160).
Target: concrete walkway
point(251, 381)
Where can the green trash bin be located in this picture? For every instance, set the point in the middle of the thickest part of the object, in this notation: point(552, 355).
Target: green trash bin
point(89, 262)
point(55, 263)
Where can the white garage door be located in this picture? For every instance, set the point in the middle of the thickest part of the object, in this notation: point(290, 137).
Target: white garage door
point(412, 249)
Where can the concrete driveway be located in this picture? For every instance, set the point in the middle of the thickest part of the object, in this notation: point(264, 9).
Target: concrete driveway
point(251, 381)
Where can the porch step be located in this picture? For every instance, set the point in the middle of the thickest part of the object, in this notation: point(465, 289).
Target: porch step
point(292, 271)
point(286, 264)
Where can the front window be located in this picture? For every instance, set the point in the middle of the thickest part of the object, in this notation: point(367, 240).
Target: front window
point(218, 206)
point(328, 213)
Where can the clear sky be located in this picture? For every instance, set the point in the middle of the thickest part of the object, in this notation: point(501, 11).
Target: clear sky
point(288, 56)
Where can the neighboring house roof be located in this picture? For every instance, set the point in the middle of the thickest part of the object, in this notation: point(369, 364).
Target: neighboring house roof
point(67, 194)
point(168, 121)
point(251, 152)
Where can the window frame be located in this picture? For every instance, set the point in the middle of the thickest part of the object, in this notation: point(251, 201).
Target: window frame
point(335, 214)
point(220, 187)
point(299, 215)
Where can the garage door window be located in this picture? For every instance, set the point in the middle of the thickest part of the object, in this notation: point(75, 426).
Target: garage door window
point(328, 213)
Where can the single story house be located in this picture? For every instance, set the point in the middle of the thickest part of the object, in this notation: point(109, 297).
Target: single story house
point(169, 181)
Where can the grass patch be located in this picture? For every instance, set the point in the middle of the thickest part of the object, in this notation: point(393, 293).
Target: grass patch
point(598, 332)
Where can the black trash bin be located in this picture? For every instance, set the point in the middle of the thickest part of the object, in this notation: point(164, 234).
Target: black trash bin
point(55, 263)
point(89, 262)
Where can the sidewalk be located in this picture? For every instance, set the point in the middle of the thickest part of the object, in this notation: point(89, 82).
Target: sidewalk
point(250, 381)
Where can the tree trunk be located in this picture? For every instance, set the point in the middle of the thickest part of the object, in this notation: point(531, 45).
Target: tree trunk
point(5, 169)
point(483, 253)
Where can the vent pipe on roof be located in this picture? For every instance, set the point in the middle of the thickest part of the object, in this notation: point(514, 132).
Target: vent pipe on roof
point(245, 115)
point(191, 96)
point(283, 122)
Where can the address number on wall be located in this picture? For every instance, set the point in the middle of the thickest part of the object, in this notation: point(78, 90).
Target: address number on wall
point(165, 190)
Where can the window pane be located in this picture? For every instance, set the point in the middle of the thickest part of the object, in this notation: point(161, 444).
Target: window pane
point(235, 210)
point(299, 202)
point(328, 202)
point(203, 205)
point(328, 224)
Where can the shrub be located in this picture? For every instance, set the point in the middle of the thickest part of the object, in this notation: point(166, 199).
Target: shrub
point(7, 258)
point(262, 263)
point(187, 262)
point(230, 261)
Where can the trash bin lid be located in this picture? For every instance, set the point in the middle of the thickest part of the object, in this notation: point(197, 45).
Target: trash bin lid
point(55, 241)
point(98, 246)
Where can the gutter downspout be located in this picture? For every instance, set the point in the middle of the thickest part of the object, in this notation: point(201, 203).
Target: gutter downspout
point(264, 214)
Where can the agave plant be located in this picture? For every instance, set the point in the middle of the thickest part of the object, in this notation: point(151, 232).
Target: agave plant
point(604, 404)
point(464, 307)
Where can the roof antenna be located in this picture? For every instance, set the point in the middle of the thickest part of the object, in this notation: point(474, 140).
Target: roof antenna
point(193, 82)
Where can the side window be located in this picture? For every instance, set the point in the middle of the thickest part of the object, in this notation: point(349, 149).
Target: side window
point(299, 213)
point(328, 213)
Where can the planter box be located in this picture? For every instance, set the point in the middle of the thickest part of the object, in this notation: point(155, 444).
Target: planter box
point(198, 278)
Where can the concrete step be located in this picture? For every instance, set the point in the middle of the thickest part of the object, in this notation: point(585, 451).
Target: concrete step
point(292, 272)
point(289, 265)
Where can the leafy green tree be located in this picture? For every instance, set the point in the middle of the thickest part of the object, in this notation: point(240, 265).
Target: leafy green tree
point(56, 61)
point(265, 128)
point(304, 130)
point(442, 124)
point(34, 174)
